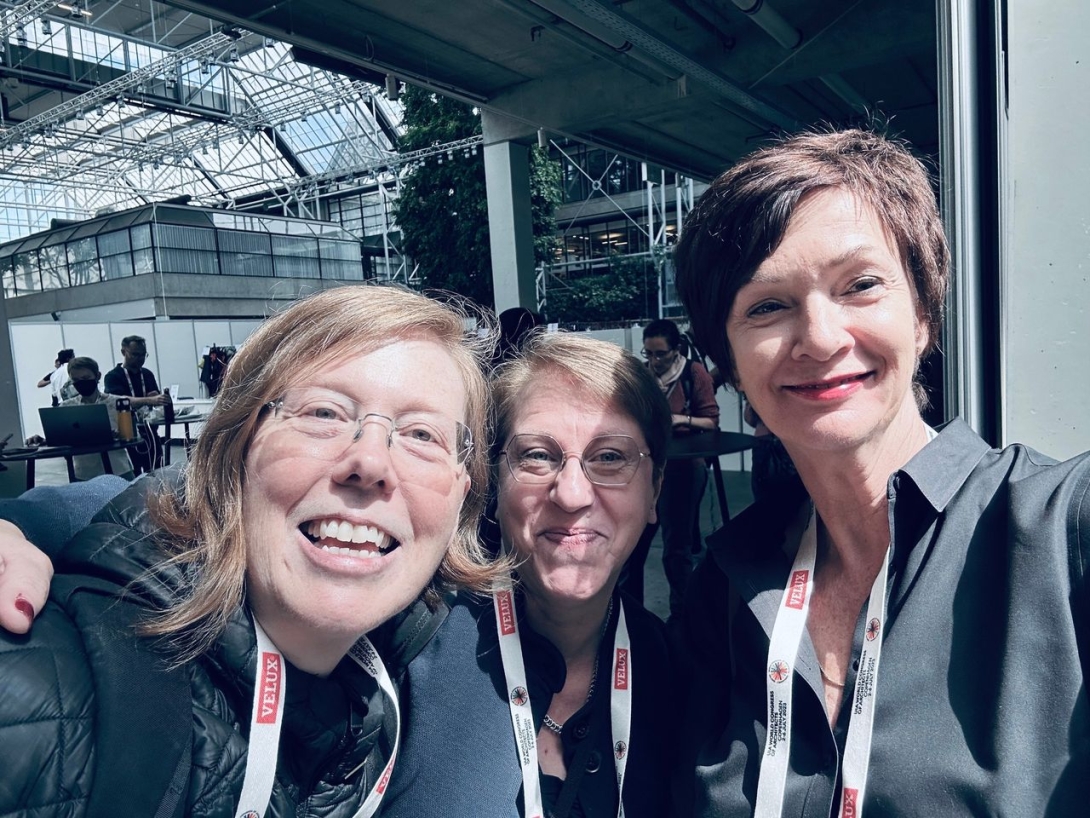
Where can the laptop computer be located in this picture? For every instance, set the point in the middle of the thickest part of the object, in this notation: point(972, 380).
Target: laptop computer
point(76, 425)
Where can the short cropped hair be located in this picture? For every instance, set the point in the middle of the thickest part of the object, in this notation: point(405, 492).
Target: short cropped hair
point(612, 375)
point(133, 339)
point(205, 524)
point(663, 328)
point(65, 355)
point(742, 218)
point(83, 362)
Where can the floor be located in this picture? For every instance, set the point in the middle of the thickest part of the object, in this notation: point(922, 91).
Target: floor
point(656, 591)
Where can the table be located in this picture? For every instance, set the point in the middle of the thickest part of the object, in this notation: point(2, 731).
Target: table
point(31, 456)
point(710, 446)
point(185, 421)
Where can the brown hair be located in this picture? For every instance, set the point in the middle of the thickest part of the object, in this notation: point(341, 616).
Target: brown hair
point(609, 373)
point(742, 218)
point(83, 362)
point(205, 523)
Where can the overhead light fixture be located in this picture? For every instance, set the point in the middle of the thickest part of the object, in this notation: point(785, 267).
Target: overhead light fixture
point(75, 9)
point(80, 114)
point(233, 55)
point(20, 35)
point(100, 111)
point(393, 89)
point(47, 27)
point(542, 139)
point(206, 65)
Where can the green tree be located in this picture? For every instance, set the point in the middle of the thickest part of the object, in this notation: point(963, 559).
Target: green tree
point(626, 291)
point(442, 210)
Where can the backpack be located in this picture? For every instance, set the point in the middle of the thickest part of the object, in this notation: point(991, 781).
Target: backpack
point(143, 709)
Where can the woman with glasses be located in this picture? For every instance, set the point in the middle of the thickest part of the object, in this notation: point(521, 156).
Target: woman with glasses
point(689, 390)
point(552, 696)
point(327, 495)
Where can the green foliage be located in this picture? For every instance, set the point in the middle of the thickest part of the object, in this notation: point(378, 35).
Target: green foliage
point(628, 291)
point(442, 210)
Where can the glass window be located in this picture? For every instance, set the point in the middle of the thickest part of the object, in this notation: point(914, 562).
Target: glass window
point(8, 278)
point(143, 261)
point(141, 236)
point(119, 266)
point(185, 238)
point(54, 261)
point(295, 257)
point(173, 260)
point(83, 263)
point(27, 279)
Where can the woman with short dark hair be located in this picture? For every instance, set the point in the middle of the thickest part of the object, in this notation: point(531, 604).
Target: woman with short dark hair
point(879, 638)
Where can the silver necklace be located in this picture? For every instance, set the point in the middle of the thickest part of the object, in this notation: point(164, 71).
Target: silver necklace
point(557, 727)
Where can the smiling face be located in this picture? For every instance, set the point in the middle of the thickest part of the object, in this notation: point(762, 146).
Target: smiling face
point(826, 336)
point(572, 537)
point(334, 547)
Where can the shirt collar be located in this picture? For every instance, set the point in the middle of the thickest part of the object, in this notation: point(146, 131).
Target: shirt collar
point(941, 467)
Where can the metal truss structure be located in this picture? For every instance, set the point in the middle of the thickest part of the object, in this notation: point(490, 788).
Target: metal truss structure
point(668, 198)
point(228, 119)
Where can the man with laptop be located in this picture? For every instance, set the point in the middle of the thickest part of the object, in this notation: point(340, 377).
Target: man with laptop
point(85, 376)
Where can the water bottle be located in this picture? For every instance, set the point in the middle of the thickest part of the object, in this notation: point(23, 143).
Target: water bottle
point(125, 429)
point(168, 407)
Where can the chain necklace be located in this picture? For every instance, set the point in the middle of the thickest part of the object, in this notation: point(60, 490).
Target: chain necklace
point(558, 727)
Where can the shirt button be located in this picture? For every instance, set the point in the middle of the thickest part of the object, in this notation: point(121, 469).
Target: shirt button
point(581, 732)
point(855, 664)
point(594, 762)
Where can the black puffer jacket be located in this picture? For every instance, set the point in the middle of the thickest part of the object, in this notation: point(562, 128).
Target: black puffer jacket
point(337, 732)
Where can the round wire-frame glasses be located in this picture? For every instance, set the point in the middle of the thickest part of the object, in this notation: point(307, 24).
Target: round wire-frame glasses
point(607, 460)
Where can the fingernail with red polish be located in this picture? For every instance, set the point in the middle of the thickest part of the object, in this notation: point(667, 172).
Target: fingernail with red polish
point(24, 607)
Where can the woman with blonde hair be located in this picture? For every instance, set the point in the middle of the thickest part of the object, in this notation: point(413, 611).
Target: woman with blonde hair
point(560, 687)
point(326, 496)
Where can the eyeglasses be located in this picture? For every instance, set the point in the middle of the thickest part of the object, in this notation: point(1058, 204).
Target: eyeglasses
point(657, 354)
point(608, 460)
point(327, 423)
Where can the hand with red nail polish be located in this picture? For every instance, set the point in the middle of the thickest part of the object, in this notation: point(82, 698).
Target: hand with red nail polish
point(25, 574)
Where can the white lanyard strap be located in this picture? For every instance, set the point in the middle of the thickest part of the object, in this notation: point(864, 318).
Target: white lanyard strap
point(363, 653)
point(518, 698)
point(620, 704)
point(860, 729)
point(782, 654)
point(132, 389)
point(270, 684)
point(265, 722)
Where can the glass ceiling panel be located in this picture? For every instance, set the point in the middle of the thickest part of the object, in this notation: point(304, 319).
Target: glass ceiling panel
point(118, 150)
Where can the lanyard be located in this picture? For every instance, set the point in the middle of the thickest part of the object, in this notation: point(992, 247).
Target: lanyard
point(270, 683)
point(518, 699)
point(782, 652)
point(143, 383)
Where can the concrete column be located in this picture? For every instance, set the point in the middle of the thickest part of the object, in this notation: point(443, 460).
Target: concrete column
point(1045, 285)
point(510, 228)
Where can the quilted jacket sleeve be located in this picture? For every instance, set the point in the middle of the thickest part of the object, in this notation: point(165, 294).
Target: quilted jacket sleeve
point(46, 720)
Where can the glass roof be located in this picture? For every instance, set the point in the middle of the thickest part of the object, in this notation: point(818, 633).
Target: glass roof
point(224, 117)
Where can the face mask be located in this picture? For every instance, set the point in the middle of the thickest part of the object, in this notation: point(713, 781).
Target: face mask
point(85, 388)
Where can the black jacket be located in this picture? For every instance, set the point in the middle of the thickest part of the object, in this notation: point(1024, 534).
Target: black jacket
point(48, 708)
point(459, 757)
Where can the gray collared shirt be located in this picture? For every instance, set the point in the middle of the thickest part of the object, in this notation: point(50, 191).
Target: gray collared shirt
point(981, 706)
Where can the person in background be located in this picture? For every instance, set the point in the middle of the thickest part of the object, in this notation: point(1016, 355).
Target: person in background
point(57, 379)
point(132, 378)
point(85, 377)
point(689, 391)
point(907, 631)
